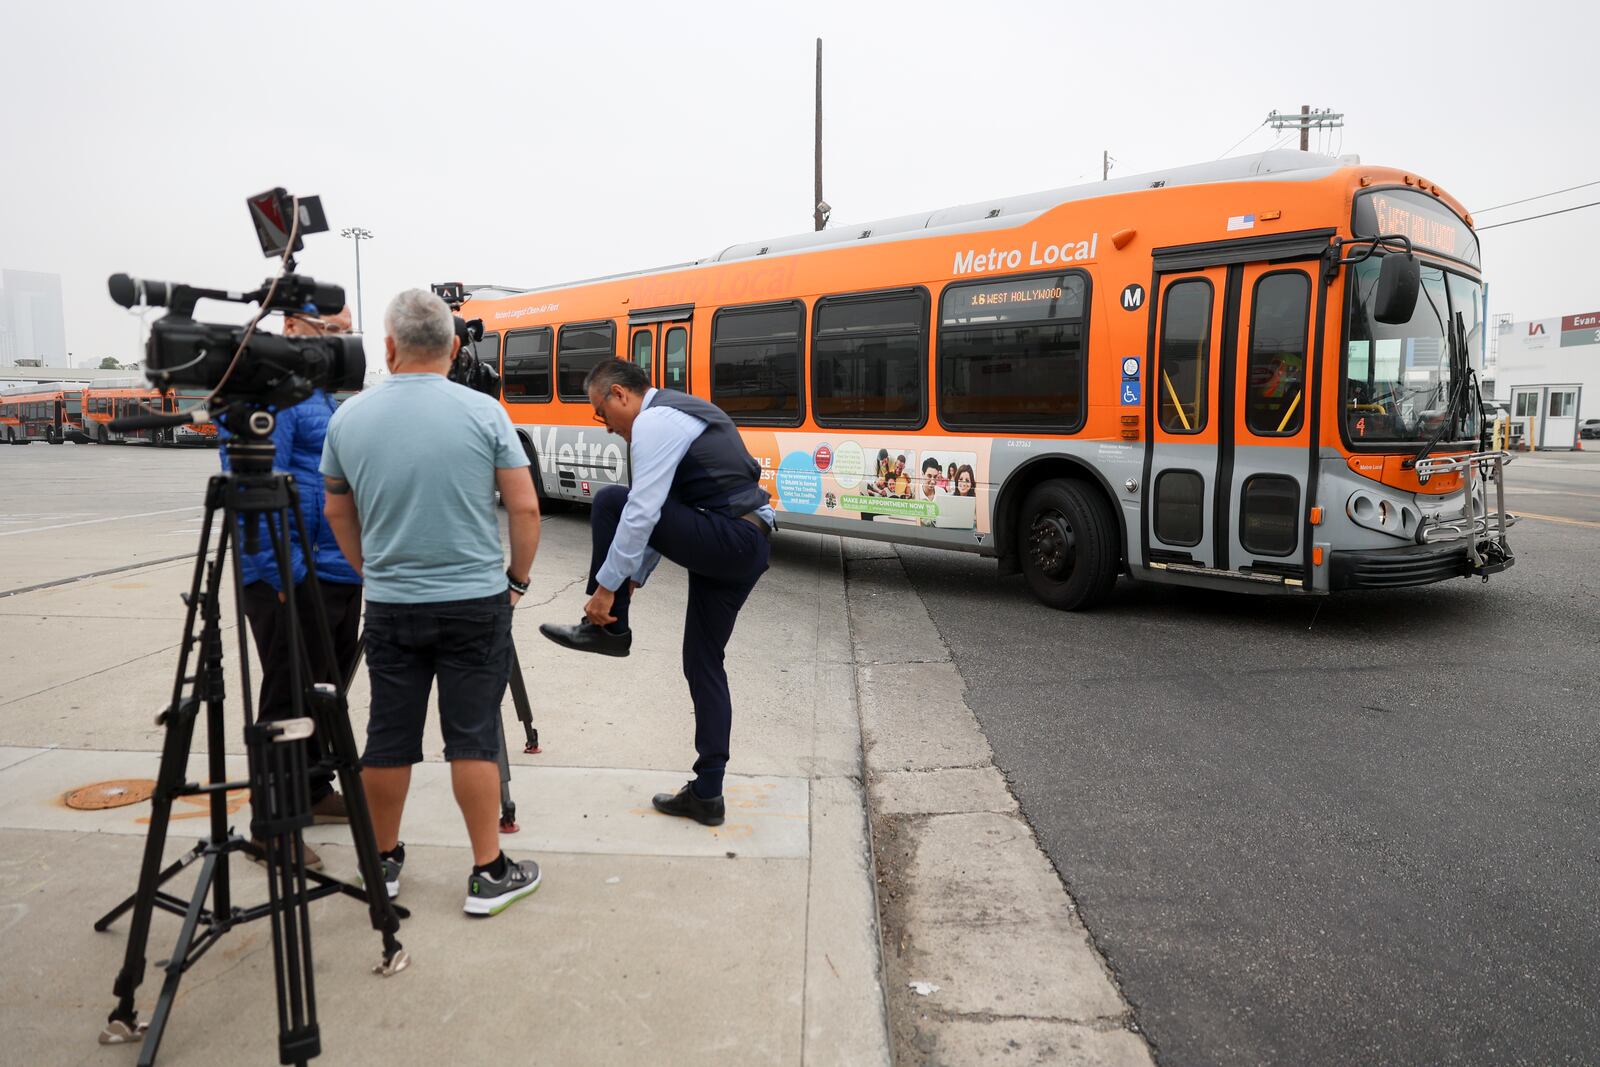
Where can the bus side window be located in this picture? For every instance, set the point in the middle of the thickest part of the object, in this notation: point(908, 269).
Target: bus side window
point(526, 374)
point(1012, 354)
point(869, 359)
point(1185, 347)
point(579, 347)
point(1275, 381)
point(487, 349)
point(755, 363)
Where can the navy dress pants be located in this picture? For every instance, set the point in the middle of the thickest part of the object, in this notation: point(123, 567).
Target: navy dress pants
point(724, 557)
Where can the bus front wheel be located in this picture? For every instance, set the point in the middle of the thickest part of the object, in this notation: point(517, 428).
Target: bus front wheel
point(1067, 543)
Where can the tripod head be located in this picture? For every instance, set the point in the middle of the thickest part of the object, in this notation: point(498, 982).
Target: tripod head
point(249, 445)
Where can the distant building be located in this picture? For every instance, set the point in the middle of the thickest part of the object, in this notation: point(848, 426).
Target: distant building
point(32, 325)
point(1548, 374)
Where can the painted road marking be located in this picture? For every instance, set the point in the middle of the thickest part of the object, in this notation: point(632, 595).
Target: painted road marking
point(108, 518)
point(1558, 518)
point(1510, 491)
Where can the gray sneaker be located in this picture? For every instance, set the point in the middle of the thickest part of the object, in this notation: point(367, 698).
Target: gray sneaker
point(486, 896)
point(391, 874)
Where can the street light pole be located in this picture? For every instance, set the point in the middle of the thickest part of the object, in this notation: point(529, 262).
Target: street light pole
point(359, 234)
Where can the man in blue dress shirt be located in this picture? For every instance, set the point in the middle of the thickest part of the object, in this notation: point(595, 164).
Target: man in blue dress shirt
point(695, 498)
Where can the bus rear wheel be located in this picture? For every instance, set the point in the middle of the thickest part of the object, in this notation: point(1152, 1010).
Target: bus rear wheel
point(1067, 543)
point(548, 505)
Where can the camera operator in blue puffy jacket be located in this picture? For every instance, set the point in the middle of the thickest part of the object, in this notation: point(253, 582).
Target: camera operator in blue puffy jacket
point(299, 437)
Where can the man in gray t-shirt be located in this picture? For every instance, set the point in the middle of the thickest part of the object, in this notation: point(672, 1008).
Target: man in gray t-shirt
point(411, 468)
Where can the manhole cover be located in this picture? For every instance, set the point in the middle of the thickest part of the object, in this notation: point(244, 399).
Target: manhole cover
point(117, 793)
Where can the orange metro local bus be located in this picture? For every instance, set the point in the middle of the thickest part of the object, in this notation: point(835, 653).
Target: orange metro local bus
point(54, 416)
point(1255, 374)
point(105, 402)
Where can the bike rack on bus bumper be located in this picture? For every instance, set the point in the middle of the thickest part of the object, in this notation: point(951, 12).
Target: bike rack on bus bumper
point(1491, 554)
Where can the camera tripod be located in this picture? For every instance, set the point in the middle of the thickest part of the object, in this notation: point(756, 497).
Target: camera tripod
point(281, 754)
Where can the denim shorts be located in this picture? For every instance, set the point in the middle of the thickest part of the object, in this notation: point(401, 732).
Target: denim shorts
point(466, 645)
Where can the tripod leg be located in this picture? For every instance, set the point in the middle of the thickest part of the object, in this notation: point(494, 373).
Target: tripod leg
point(508, 807)
point(123, 1025)
point(178, 963)
point(519, 700)
point(278, 782)
point(355, 665)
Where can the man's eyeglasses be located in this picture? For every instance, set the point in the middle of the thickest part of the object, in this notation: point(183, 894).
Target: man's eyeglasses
point(600, 410)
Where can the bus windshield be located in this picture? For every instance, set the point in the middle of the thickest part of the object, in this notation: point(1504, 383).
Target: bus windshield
point(1398, 379)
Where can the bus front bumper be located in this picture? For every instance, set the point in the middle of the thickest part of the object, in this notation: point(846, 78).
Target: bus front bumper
point(1396, 568)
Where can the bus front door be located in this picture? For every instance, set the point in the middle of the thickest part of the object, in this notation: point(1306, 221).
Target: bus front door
point(1181, 482)
point(1230, 432)
point(1268, 457)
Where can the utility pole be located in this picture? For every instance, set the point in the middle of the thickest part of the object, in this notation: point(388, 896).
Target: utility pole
point(359, 235)
point(819, 212)
point(1305, 122)
point(1105, 164)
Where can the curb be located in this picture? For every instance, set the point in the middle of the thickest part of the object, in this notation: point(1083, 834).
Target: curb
point(984, 956)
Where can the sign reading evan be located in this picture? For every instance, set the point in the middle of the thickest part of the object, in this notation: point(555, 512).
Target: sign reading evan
point(973, 261)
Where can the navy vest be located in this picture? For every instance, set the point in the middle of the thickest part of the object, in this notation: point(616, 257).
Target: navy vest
point(717, 473)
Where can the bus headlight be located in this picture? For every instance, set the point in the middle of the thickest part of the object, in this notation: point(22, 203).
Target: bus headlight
point(1376, 512)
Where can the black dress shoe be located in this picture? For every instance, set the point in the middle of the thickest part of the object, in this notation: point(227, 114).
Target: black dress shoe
point(685, 803)
point(587, 637)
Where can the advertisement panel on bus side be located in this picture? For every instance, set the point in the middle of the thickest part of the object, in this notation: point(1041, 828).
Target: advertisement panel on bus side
point(912, 479)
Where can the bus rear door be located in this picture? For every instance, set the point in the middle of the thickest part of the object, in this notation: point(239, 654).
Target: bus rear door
point(658, 341)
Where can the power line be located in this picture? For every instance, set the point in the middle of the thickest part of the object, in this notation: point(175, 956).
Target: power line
point(1547, 214)
point(1541, 196)
point(1242, 140)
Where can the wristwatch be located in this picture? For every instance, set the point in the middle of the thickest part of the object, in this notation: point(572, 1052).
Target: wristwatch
point(519, 587)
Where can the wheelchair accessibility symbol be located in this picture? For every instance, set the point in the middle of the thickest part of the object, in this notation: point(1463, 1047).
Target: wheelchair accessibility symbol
point(1130, 393)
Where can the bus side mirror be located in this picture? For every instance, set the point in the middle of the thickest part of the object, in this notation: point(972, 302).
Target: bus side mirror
point(1399, 281)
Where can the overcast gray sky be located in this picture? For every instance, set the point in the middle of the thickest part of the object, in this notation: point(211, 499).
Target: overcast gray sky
point(530, 144)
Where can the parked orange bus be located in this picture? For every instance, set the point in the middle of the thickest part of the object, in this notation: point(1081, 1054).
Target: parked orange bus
point(51, 415)
point(105, 402)
point(1211, 375)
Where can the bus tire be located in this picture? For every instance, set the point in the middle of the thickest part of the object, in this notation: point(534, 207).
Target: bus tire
point(1067, 544)
point(100, 435)
point(548, 505)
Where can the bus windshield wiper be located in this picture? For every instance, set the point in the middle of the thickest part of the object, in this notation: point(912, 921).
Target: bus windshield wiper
point(1460, 391)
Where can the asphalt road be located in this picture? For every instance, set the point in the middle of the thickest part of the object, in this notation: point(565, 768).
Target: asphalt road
point(1353, 830)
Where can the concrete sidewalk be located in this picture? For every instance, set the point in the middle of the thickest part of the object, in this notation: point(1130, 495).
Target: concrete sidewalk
point(652, 939)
